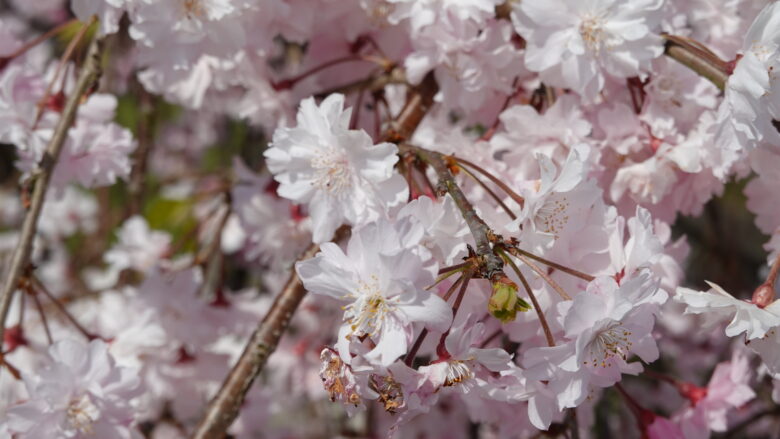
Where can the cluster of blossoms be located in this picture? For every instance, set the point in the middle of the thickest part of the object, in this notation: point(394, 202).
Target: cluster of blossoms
point(403, 218)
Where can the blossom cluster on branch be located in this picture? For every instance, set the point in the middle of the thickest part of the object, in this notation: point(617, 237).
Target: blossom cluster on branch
point(387, 218)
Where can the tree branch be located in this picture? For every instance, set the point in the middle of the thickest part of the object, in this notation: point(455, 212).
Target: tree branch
point(225, 406)
point(691, 55)
point(493, 265)
point(89, 74)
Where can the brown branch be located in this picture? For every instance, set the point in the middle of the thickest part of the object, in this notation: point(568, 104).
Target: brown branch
point(21, 255)
point(481, 232)
point(704, 62)
point(225, 406)
point(145, 134)
point(74, 42)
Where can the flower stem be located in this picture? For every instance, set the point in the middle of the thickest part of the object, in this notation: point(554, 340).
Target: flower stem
point(563, 268)
point(512, 194)
point(42, 288)
point(490, 192)
point(539, 312)
point(74, 42)
point(463, 287)
point(291, 82)
point(409, 359)
point(38, 40)
point(544, 276)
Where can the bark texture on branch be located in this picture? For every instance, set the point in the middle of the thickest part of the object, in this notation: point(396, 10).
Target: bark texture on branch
point(226, 405)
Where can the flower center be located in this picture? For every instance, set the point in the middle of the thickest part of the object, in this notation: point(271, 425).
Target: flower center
point(552, 216)
point(193, 8)
point(367, 313)
point(457, 372)
point(81, 414)
point(592, 32)
point(332, 170)
point(612, 341)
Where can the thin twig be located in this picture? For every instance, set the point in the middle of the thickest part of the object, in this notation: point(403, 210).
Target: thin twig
point(63, 62)
point(146, 128)
point(44, 321)
point(467, 275)
point(538, 270)
point(39, 286)
point(375, 82)
point(490, 192)
point(512, 194)
point(39, 39)
point(539, 312)
point(21, 255)
point(563, 268)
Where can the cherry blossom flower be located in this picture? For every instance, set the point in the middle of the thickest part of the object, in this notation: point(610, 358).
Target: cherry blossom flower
point(464, 366)
point(337, 172)
point(80, 392)
point(469, 62)
point(603, 327)
point(741, 125)
point(728, 388)
point(382, 280)
point(560, 198)
point(749, 318)
point(576, 45)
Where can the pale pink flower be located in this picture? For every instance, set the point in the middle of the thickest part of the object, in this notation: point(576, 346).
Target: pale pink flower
point(603, 327)
point(465, 367)
point(80, 392)
point(577, 44)
point(743, 119)
point(749, 318)
point(383, 280)
point(470, 63)
point(421, 13)
point(338, 173)
point(553, 134)
point(728, 389)
point(138, 246)
point(445, 230)
point(558, 201)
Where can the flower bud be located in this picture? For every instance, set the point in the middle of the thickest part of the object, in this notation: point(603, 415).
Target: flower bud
point(504, 303)
point(763, 296)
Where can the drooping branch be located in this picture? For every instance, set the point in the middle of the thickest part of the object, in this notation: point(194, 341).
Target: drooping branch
point(20, 258)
